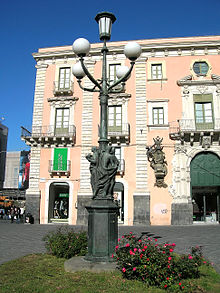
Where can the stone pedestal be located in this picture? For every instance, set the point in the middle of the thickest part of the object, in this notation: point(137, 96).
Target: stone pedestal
point(141, 209)
point(181, 214)
point(102, 230)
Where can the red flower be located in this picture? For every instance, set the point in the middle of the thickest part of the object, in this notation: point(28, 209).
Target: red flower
point(180, 284)
point(112, 255)
point(173, 244)
point(124, 270)
point(171, 250)
point(167, 278)
point(165, 285)
point(134, 269)
point(169, 258)
point(145, 246)
point(155, 239)
point(141, 255)
point(127, 245)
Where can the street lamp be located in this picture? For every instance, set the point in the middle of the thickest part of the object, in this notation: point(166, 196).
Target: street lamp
point(103, 221)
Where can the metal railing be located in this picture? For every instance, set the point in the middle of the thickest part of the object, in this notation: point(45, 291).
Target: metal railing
point(123, 130)
point(49, 131)
point(186, 125)
point(57, 90)
point(59, 166)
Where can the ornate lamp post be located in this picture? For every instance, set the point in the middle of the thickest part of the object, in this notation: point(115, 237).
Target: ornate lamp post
point(103, 221)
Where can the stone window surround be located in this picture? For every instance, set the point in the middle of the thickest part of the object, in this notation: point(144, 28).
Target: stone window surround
point(149, 73)
point(122, 100)
point(157, 103)
point(57, 72)
point(208, 75)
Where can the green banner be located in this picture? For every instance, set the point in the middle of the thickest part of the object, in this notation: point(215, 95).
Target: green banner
point(60, 159)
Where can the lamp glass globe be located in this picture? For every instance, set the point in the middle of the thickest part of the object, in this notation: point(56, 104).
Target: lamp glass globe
point(81, 47)
point(132, 50)
point(78, 71)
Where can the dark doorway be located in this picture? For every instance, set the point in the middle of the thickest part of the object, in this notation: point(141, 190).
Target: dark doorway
point(119, 199)
point(205, 187)
point(58, 202)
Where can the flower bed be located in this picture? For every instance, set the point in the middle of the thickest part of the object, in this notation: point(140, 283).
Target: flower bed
point(156, 264)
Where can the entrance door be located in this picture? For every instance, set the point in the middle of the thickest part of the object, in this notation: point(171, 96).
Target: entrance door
point(58, 202)
point(205, 186)
point(119, 199)
point(205, 204)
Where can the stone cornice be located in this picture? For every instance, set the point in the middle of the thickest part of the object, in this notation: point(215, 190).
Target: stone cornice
point(149, 47)
point(188, 81)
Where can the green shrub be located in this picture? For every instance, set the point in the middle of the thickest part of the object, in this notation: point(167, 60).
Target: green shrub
point(156, 264)
point(65, 243)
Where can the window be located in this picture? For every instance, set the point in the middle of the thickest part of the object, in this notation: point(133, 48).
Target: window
point(156, 71)
point(112, 72)
point(203, 111)
point(60, 159)
point(64, 78)
point(158, 115)
point(200, 68)
point(62, 121)
point(115, 118)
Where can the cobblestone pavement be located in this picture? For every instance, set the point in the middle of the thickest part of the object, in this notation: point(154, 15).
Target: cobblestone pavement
point(17, 240)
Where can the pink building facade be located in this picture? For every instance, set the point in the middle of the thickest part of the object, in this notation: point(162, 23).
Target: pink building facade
point(173, 93)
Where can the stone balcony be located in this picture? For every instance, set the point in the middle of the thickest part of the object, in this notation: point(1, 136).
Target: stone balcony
point(67, 90)
point(187, 130)
point(49, 136)
point(120, 135)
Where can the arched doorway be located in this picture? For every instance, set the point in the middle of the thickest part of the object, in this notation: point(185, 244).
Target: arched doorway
point(119, 198)
point(58, 210)
point(205, 187)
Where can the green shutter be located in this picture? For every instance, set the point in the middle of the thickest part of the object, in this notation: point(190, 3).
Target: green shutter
point(60, 159)
point(205, 170)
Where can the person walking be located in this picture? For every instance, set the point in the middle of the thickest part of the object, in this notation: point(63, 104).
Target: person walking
point(12, 214)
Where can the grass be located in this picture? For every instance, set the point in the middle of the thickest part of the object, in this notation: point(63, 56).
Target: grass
point(43, 273)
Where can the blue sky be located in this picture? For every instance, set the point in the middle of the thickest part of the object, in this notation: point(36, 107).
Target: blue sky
point(27, 25)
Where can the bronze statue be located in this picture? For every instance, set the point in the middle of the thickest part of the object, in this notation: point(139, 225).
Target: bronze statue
point(156, 157)
point(103, 168)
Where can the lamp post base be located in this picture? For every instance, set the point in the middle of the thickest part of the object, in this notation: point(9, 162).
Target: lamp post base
point(102, 230)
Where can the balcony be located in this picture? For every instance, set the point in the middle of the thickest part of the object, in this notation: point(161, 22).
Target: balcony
point(66, 90)
point(59, 168)
point(47, 136)
point(119, 134)
point(189, 131)
point(121, 167)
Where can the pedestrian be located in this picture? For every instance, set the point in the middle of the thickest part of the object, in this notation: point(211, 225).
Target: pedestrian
point(12, 214)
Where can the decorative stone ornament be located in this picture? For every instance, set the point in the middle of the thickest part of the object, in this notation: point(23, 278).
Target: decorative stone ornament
point(156, 157)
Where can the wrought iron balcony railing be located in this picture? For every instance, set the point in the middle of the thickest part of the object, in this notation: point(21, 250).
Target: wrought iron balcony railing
point(183, 126)
point(119, 134)
point(59, 167)
point(49, 134)
point(66, 89)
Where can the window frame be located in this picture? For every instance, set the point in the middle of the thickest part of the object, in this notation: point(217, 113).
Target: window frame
point(65, 78)
point(62, 129)
point(157, 109)
point(156, 75)
point(203, 99)
point(115, 127)
point(113, 65)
